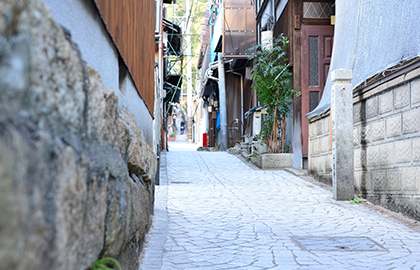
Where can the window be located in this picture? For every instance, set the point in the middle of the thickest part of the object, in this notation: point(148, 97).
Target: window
point(317, 10)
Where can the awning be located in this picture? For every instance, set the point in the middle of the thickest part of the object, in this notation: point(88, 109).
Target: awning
point(174, 36)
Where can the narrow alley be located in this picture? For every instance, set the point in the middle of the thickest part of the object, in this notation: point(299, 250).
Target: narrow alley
point(213, 211)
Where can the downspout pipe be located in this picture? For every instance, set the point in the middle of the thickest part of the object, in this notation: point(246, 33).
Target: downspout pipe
point(273, 8)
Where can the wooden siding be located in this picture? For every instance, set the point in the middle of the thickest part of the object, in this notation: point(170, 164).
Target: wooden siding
point(131, 24)
point(285, 26)
point(233, 102)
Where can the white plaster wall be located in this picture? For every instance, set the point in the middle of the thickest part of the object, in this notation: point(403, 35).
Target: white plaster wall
point(129, 98)
point(87, 31)
point(99, 51)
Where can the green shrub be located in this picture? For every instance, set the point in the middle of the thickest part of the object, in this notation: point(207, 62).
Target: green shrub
point(106, 264)
point(272, 80)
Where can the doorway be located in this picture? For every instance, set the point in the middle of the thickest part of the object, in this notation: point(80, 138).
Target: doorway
point(317, 43)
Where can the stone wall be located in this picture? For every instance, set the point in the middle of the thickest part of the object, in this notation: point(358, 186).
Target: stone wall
point(386, 139)
point(88, 31)
point(320, 155)
point(76, 175)
point(387, 145)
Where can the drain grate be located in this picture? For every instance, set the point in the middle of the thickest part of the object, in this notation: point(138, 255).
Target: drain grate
point(337, 244)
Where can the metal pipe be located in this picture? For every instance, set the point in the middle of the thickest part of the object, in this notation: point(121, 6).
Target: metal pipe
point(189, 72)
point(273, 23)
point(222, 108)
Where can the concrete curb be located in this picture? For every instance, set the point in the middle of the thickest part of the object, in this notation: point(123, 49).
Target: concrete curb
point(155, 239)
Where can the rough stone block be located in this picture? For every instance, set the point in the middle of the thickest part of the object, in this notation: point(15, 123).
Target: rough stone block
point(365, 134)
point(319, 129)
point(372, 156)
point(140, 158)
point(356, 136)
point(402, 96)
point(312, 129)
point(321, 165)
point(104, 109)
point(394, 180)
point(66, 197)
point(386, 152)
point(415, 92)
point(358, 181)
point(313, 165)
point(341, 75)
point(326, 125)
point(328, 163)
point(325, 144)
point(316, 146)
point(416, 150)
point(270, 161)
point(359, 158)
point(411, 121)
point(378, 130)
point(358, 112)
point(410, 180)
point(363, 181)
point(403, 151)
point(379, 181)
point(310, 148)
point(393, 126)
point(385, 102)
point(371, 107)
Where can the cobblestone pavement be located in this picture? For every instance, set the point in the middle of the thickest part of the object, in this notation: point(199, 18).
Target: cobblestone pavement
point(213, 211)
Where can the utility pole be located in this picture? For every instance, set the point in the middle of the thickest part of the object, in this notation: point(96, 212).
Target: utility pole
point(189, 71)
point(222, 100)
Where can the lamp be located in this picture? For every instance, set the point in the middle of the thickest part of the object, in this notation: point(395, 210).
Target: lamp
point(216, 104)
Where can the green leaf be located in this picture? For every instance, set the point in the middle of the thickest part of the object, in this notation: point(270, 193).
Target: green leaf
point(105, 264)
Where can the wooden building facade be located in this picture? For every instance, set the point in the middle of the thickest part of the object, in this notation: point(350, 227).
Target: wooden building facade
point(131, 24)
point(309, 28)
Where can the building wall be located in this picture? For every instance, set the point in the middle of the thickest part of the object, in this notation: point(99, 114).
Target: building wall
point(386, 144)
point(132, 27)
point(88, 31)
point(77, 175)
point(320, 156)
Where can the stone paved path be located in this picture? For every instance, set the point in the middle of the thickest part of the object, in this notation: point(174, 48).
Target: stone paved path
point(213, 211)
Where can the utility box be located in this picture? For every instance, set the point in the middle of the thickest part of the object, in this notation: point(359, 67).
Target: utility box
point(256, 123)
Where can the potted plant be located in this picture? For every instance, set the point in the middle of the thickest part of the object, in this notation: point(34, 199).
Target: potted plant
point(171, 137)
point(272, 80)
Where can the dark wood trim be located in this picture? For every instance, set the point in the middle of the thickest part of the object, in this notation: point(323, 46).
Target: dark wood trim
point(360, 89)
point(312, 21)
point(296, 8)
